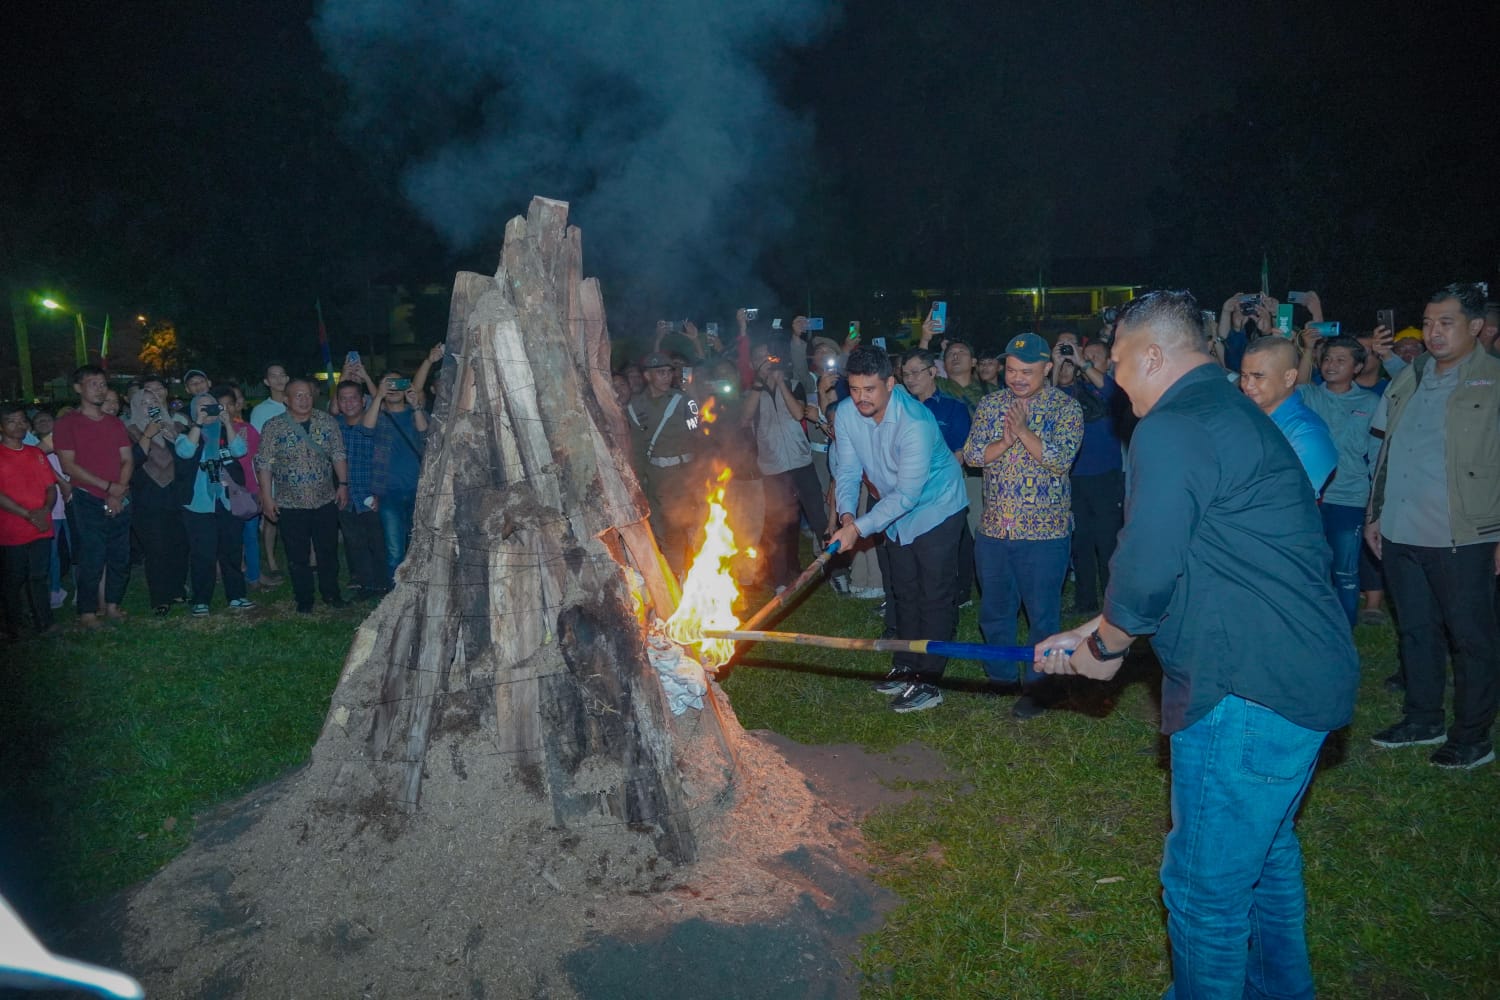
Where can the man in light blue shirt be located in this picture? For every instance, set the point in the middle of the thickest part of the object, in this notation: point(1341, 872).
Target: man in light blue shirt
point(884, 435)
point(1347, 408)
point(1268, 375)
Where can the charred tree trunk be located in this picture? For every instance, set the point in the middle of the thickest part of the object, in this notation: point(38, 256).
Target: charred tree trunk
point(510, 641)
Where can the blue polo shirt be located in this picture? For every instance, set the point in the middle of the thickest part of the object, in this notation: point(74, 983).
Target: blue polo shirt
point(1223, 562)
point(952, 416)
point(1310, 439)
point(1100, 450)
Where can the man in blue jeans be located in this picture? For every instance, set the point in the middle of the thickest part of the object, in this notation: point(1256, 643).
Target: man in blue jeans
point(1025, 438)
point(399, 423)
point(1347, 408)
point(1222, 562)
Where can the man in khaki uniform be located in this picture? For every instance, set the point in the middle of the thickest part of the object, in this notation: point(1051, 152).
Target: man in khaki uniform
point(1434, 519)
point(667, 436)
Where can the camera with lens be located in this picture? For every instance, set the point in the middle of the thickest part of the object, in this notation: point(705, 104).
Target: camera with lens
point(1066, 350)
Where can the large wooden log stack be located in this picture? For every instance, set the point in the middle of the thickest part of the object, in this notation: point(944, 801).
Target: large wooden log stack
point(510, 639)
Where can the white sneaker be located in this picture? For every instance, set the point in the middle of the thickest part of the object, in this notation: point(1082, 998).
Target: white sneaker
point(59, 598)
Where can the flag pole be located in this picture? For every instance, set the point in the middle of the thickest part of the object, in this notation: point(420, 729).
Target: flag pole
point(333, 384)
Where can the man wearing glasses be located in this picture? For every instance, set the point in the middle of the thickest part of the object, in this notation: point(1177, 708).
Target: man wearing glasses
point(919, 375)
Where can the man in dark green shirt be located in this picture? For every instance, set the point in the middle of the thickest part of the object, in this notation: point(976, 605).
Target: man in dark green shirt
point(1222, 561)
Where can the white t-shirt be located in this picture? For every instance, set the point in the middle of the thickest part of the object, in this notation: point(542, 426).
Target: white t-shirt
point(265, 410)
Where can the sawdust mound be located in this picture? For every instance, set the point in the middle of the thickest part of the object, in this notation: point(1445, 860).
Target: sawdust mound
point(280, 897)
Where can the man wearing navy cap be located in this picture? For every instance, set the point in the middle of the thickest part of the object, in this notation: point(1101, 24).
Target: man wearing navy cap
point(1024, 437)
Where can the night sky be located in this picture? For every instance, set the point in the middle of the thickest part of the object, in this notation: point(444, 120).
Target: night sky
point(225, 166)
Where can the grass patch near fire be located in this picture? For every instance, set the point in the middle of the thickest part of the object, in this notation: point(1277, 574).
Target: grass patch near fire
point(1035, 874)
point(1032, 874)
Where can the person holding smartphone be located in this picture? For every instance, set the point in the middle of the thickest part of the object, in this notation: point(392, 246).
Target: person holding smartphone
point(211, 447)
point(398, 421)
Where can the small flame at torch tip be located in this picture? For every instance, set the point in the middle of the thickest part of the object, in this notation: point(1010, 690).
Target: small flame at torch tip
point(709, 592)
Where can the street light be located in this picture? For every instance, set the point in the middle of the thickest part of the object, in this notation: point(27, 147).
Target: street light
point(80, 346)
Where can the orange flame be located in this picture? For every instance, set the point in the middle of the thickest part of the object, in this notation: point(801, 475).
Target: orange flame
point(708, 414)
point(709, 593)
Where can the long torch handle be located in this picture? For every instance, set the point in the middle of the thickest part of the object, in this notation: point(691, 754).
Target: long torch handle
point(957, 650)
point(780, 600)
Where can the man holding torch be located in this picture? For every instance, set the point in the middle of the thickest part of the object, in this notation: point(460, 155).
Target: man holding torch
point(885, 436)
point(1222, 561)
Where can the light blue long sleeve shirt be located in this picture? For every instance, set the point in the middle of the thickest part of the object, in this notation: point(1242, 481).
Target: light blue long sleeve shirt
point(906, 460)
point(1310, 439)
point(208, 494)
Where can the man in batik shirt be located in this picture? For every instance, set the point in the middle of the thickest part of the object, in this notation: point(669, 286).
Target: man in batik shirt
point(1025, 438)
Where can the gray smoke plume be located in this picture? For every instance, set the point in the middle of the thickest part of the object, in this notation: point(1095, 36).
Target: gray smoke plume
point(658, 121)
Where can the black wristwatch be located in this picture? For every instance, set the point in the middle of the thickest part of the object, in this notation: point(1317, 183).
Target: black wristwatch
point(1097, 650)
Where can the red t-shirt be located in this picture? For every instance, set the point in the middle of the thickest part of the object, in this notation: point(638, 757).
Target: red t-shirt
point(24, 477)
point(95, 445)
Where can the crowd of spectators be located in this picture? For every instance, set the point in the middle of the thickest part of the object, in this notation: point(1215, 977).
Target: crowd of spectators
point(1393, 428)
point(1039, 429)
point(202, 499)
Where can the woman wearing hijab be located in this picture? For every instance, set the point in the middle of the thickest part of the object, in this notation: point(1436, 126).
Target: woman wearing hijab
point(208, 450)
point(158, 496)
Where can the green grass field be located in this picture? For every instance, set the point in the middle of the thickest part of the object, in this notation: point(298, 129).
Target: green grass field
point(1033, 873)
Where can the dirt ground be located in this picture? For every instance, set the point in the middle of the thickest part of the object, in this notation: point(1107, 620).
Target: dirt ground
point(273, 901)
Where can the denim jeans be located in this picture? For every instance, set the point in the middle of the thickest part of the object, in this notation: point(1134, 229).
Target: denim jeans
point(1016, 574)
point(59, 533)
point(250, 542)
point(1231, 874)
point(396, 512)
point(103, 552)
point(1344, 529)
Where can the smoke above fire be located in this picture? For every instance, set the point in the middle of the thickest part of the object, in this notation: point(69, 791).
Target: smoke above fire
point(659, 122)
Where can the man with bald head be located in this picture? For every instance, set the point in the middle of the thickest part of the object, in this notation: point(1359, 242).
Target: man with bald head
point(1222, 561)
point(1268, 375)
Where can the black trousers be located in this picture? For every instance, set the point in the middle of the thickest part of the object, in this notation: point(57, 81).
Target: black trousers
point(1098, 516)
point(786, 493)
point(304, 532)
point(165, 541)
point(923, 583)
point(1445, 600)
point(216, 539)
point(364, 548)
point(103, 547)
point(24, 585)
